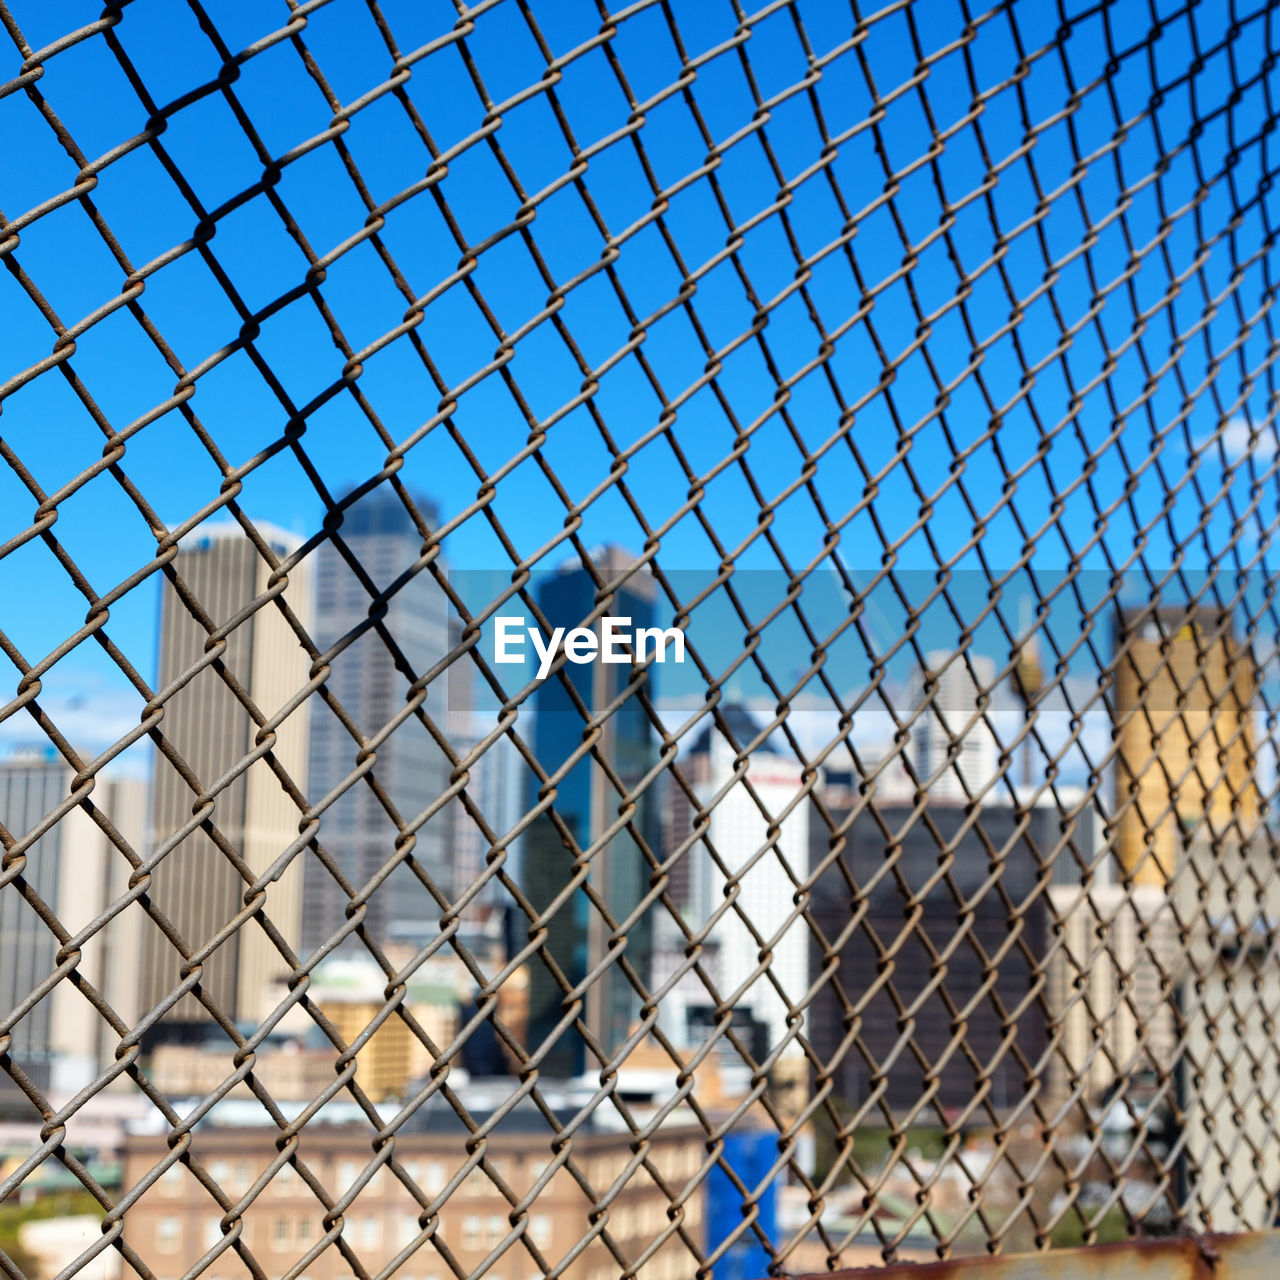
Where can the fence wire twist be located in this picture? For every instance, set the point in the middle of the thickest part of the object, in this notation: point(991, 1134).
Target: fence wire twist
point(962, 317)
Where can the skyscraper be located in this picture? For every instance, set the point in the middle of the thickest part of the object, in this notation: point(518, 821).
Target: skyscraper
point(587, 802)
point(495, 787)
point(738, 830)
point(62, 1042)
point(409, 767)
point(950, 715)
point(196, 885)
point(1183, 726)
point(911, 913)
point(30, 787)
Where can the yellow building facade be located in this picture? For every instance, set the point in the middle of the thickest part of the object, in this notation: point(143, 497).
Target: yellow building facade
point(1184, 693)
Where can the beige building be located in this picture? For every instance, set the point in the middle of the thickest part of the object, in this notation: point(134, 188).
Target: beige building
point(54, 1243)
point(95, 875)
point(197, 886)
point(1229, 992)
point(393, 1055)
point(1110, 978)
point(176, 1222)
point(288, 1072)
point(1184, 692)
point(350, 993)
point(62, 1042)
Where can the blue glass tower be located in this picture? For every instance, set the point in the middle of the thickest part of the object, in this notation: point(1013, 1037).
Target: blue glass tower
point(587, 802)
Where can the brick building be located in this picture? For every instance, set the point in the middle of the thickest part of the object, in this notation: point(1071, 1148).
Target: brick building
point(176, 1222)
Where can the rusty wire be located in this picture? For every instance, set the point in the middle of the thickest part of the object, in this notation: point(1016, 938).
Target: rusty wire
point(1192, 282)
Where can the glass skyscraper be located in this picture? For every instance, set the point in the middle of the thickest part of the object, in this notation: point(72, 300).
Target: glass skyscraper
point(356, 830)
point(587, 802)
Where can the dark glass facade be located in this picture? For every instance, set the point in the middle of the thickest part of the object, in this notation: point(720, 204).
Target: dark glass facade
point(943, 863)
point(587, 802)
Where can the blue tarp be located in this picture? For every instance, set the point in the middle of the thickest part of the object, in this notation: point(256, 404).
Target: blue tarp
point(750, 1154)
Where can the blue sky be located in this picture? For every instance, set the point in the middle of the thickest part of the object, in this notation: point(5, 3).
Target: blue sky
point(48, 427)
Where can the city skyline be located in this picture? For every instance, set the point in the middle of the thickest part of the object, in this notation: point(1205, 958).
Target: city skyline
point(815, 720)
point(944, 699)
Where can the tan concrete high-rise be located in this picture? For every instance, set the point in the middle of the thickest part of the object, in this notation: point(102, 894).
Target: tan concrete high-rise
point(1184, 695)
point(63, 1041)
point(196, 885)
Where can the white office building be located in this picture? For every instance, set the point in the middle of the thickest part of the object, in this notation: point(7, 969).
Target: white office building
point(945, 714)
point(62, 1042)
point(760, 876)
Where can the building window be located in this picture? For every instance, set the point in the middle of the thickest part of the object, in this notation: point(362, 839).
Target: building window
point(244, 1175)
point(471, 1232)
point(212, 1232)
point(280, 1232)
point(220, 1172)
point(304, 1230)
point(496, 1229)
point(286, 1176)
point(370, 1232)
point(348, 1172)
point(171, 1180)
point(540, 1230)
point(168, 1234)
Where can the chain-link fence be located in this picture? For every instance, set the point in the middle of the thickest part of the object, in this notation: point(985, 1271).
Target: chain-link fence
point(640, 643)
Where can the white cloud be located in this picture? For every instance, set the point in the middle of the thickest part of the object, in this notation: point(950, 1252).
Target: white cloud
point(91, 711)
point(1235, 441)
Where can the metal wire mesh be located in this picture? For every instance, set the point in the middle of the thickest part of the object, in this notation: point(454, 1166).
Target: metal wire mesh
point(924, 356)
